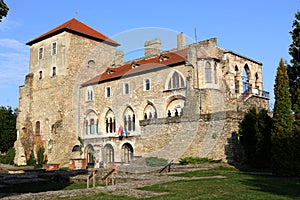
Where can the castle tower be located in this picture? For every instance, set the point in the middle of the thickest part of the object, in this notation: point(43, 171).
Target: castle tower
point(60, 60)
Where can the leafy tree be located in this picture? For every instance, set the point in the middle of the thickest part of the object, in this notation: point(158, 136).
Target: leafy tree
point(9, 157)
point(255, 134)
point(282, 129)
point(3, 9)
point(8, 132)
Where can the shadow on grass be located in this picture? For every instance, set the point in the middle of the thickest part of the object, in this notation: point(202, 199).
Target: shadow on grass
point(282, 186)
point(37, 182)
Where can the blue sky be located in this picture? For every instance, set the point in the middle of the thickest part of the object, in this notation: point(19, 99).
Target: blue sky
point(258, 29)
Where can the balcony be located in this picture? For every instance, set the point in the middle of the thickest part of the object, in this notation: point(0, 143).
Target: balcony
point(247, 90)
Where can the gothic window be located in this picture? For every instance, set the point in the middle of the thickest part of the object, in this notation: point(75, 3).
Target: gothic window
point(146, 84)
point(110, 122)
point(41, 52)
point(256, 81)
point(109, 153)
point(208, 72)
point(245, 77)
point(176, 81)
point(92, 126)
point(236, 81)
point(37, 127)
point(215, 73)
point(91, 123)
point(54, 47)
point(129, 119)
point(175, 107)
point(150, 111)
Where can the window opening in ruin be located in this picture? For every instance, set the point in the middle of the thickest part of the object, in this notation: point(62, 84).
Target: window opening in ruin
point(208, 72)
point(236, 81)
point(37, 127)
point(53, 71)
point(40, 75)
point(215, 73)
point(245, 77)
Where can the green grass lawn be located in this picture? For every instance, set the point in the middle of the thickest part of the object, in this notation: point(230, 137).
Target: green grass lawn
point(236, 185)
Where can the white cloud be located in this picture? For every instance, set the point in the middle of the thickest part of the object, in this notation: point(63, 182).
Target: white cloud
point(14, 59)
point(7, 25)
point(12, 44)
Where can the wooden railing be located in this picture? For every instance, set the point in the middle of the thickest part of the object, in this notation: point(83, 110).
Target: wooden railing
point(111, 172)
point(93, 175)
point(167, 166)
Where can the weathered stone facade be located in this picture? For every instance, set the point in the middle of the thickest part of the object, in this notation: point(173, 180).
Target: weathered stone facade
point(184, 102)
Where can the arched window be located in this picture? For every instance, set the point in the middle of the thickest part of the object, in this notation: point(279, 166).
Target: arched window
point(150, 111)
point(236, 81)
point(176, 81)
point(91, 123)
point(129, 119)
point(108, 153)
point(127, 153)
point(208, 72)
point(37, 128)
point(175, 107)
point(245, 77)
point(110, 122)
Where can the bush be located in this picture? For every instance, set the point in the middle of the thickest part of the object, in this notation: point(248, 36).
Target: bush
point(9, 157)
point(156, 162)
point(196, 160)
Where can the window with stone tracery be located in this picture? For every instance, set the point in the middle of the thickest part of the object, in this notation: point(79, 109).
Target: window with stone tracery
point(176, 81)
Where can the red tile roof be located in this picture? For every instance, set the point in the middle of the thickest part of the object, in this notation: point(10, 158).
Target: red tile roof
point(76, 27)
point(142, 66)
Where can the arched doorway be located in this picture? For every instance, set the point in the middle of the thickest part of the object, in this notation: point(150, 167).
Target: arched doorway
point(89, 152)
point(127, 153)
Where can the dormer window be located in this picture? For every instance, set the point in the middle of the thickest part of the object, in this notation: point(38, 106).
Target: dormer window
point(134, 65)
point(163, 58)
point(110, 71)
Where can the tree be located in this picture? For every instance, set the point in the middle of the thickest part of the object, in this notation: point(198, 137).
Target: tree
point(255, 134)
point(282, 129)
point(3, 9)
point(294, 81)
point(8, 132)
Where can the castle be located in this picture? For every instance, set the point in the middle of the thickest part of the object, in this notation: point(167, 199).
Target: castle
point(81, 100)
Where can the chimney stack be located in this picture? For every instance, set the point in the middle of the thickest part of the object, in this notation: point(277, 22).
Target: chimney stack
point(119, 58)
point(152, 48)
point(181, 44)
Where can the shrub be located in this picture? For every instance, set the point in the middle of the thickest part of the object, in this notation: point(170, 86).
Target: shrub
point(9, 157)
point(197, 160)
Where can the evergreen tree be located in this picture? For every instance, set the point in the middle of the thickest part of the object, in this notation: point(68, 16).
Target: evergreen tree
point(255, 134)
point(294, 80)
point(8, 132)
point(282, 129)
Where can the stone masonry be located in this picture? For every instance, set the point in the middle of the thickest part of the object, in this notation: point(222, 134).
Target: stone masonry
point(183, 102)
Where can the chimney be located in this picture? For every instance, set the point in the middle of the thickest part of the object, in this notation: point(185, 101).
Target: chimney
point(181, 44)
point(152, 48)
point(119, 58)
